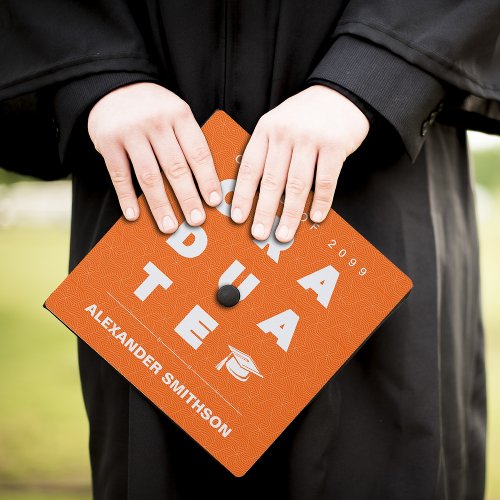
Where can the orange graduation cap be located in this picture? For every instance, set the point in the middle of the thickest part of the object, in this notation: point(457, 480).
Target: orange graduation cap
point(231, 337)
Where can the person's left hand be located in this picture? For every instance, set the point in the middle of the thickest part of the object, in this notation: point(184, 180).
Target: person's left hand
point(317, 126)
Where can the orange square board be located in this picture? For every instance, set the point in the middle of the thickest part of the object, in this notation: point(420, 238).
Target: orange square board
point(232, 377)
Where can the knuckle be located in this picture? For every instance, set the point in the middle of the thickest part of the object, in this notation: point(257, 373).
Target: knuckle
point(158, 205)
point(178, 169)
point(200, 155)
point(149, 177)
point(280, 131)
point(306, 137)
point(118, 177)
point(328, 139)
point(269, 181)
point(335, 150)
point(189, 199)
point(122, 198)
point(246, 170)
point(322, 201)
point(243, 198)
point(290, 212)
point(157, 122)
point(264, 213)
point(126, 194)
point(128, 128)
point(98, 148)
point(296, 185)
point(182, 109)
point(322, 198)
point(325, 184)
point(264, 121)
point(106, 137)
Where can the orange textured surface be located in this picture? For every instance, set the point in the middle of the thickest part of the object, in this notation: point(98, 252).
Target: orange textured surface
point(258, 409)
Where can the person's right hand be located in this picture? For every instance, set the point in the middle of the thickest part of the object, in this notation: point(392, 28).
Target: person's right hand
point(154, 129)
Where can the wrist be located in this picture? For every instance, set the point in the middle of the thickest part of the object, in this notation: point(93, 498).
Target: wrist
point(347, 103)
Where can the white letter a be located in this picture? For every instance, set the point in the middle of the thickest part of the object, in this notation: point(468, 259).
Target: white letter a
point(322, 282)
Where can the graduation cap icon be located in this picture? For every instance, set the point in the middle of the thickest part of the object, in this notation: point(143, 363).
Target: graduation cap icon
point(239, 365)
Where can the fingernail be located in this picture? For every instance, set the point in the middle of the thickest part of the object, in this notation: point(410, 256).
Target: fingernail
point(196, 215)
point(214, 198)
point(258, 230)
point(282, 232)
point(236, 215)
point(167, 223)
point(130, 214)
point(317, 216)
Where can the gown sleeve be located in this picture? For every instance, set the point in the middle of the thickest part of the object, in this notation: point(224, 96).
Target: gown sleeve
point(58, 57)
point(73, 101)
point(44, 43)
point(415, 61)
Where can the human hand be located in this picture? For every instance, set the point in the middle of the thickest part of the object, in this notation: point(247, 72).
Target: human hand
point(156, 130)
point(316, 126)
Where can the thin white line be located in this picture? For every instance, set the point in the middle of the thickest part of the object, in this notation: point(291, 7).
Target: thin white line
point(150, 331)
point(215, 390)
point(172, 351)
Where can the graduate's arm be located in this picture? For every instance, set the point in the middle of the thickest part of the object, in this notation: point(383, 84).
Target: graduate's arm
point(56, 43)
point(73, 100)
point(401, 60)
point(141, 128)
point(355, 84)
point(53, 42)
point(387, 88)
point(304, 139)
point(415, 61)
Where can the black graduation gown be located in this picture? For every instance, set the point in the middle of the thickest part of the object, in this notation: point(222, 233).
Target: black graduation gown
point(405, 418)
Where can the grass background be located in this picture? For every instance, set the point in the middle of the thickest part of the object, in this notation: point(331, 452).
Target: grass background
point(43, 427)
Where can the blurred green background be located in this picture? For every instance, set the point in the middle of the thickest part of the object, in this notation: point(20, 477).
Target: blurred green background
point(43, 426)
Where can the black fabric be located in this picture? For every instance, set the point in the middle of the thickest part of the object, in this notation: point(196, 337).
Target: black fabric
point(401, 92)
point(406, 417)
point(28, 138)
point(381, 130)
point(450, 43)
point(455, 41)
point(371, 113)
point(73, 100)
point(55, 40)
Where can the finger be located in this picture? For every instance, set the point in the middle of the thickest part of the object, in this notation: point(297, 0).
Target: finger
point(249, 174)
point(196, 151)
point(298, 186)
point(178, 173)
point(118, 166)
point(327, 174)
point(149, 176)
point(271, 188)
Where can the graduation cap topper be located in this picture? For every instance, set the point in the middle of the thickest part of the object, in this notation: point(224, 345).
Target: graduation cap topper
point(231, 337)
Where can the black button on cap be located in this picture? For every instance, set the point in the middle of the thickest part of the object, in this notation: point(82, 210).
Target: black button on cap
point(228, 295)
